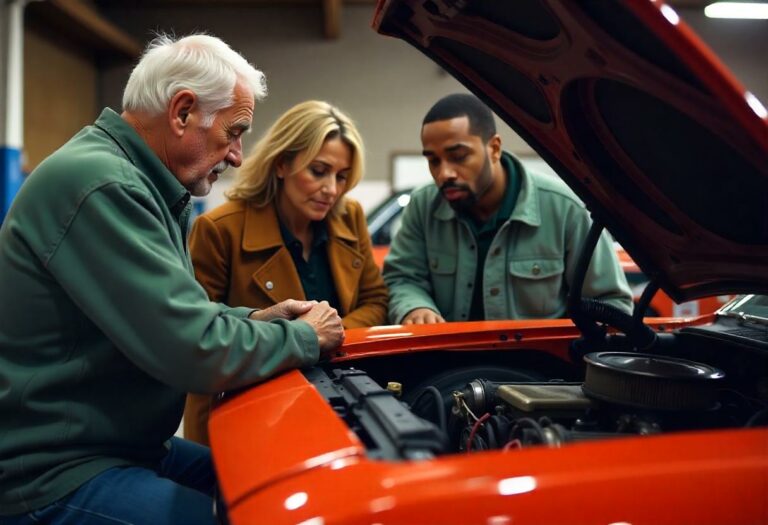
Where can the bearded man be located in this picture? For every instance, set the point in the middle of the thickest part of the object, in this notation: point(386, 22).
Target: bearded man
point(489, 239)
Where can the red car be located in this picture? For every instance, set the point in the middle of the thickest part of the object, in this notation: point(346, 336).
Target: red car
point(602, 419)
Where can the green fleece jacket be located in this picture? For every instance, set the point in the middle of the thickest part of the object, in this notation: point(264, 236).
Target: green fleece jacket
point(432, 261)
point(103, 327)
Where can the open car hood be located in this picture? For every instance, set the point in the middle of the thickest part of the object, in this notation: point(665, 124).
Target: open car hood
point(638, 117)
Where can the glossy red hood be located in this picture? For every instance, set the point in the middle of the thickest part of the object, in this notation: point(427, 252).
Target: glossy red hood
point(634, 113)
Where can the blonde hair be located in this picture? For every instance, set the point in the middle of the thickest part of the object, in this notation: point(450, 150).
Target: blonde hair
point(298, 134)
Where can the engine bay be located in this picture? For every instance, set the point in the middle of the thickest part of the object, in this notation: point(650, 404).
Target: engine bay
point(433, 403)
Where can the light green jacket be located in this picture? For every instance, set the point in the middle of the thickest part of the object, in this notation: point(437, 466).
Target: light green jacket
point(530, 263)
point(103, 328)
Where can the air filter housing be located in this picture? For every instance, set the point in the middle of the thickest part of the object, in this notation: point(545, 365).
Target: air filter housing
point(650, 381)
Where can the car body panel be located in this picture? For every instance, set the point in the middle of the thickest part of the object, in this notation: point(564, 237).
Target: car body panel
point(549, 335)
point(253, 456)
point(278, 446)
point(675, 478)
point(586, 85)
point(283, 429)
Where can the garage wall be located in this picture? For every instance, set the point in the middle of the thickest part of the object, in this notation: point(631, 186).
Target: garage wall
point(59, 94)
point(383, 83)
point(740, 44)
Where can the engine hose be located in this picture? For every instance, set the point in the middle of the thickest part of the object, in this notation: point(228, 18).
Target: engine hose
point(437, 399)
point(534, 429)
point(645, 300)
point(490, 435)
point(501, 426)
point(586, 326)
point(642, 336)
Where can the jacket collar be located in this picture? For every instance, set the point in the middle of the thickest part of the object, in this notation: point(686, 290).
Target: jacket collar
point(141, 155)
point(527, 206)
point(337, 227)
point(261, 230)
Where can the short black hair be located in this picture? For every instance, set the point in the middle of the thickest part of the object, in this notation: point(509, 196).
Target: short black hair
point(480, 117)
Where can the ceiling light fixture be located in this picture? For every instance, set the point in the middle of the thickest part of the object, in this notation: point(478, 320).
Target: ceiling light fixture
point(752, 10)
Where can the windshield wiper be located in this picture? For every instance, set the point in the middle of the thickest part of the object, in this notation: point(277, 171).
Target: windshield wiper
point(745, 318)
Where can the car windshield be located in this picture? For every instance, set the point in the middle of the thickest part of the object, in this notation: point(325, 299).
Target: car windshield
point(748, 307)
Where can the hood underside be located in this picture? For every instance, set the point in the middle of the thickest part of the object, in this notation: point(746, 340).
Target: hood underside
point(638, 117)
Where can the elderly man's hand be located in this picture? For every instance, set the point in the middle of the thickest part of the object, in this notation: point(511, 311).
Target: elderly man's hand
point(289, 309)
point(327, 325)
point(422, 316)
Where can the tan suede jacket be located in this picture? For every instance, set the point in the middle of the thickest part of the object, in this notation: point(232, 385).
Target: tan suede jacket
point(240, 259)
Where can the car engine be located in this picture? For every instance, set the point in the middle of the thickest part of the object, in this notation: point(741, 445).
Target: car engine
point(622, 394)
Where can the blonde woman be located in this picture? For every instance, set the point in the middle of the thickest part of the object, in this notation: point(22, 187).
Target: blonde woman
point(289, 232)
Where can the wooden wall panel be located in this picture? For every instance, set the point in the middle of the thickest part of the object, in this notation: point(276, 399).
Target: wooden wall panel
point(60, 94)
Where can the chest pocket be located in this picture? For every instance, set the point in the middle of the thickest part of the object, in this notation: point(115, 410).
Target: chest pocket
point(442, 264)
point(537, 286)
point(442, 269)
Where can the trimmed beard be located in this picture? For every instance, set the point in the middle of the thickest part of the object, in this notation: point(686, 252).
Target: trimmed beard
point(484, 183)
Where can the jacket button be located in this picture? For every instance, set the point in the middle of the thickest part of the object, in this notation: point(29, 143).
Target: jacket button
point(269, 285)
point(495, 291)
point(497, 251)
point(434, 264)
point(356, 263)
point(536, 270)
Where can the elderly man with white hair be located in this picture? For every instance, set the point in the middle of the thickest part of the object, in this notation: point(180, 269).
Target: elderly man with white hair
point(103, 328)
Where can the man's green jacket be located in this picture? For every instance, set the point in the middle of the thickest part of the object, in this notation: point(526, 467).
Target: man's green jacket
point(530, 263)
point(103, 327)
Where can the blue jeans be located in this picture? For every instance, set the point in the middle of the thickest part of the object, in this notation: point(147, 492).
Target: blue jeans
point(179, 492)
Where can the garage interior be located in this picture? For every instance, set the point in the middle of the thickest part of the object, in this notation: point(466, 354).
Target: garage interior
point(63, 61)
point(77, 55)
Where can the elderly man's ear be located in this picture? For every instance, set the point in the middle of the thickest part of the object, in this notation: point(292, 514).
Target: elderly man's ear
point(180, 110)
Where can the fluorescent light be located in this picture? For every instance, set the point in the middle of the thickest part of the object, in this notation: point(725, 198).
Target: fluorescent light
point(753, 10)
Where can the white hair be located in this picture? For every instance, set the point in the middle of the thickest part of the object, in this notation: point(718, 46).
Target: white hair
point(204, 64)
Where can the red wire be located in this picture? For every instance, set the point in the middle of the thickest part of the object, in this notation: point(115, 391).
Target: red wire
point(476, 426)
point(515, 443)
